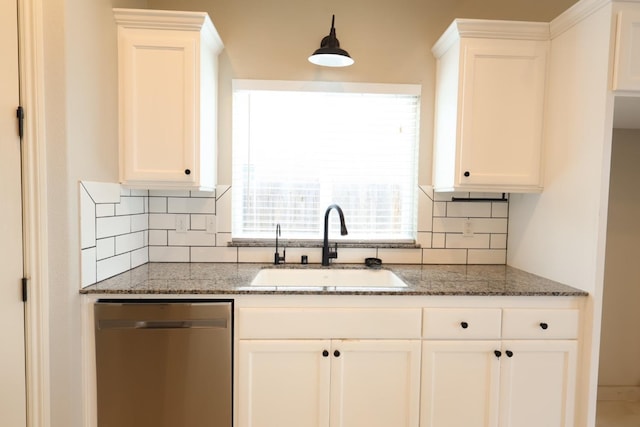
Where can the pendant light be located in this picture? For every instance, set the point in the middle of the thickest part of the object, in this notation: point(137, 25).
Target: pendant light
point(330, 54)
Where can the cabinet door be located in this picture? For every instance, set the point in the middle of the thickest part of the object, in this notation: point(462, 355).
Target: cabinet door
point(375, 383)
point(460, 384)
point(537, 383)
point(500, 138)
point(626, 72)
point(158, 93)
point(283, 383)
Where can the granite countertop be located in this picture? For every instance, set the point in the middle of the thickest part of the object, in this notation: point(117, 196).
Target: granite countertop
point(233, 278)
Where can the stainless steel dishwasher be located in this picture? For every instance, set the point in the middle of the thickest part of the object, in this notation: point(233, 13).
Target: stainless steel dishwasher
point(164, 363)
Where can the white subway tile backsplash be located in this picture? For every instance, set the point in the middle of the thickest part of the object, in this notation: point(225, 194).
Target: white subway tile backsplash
point(105, 209)
point(487, 256)
point(130, 206)
point(399, 256)
point(139, 222)
point(168, 193)
point(103, 192)
point(499, 210)
point(185, 205)
point(169, 254)
point(469, 209)
point(498, 241)
point(489, 225)
point(438, 240)
point(129, 242)
point(439, 210)
point(111, 266)
point(88, 267)
point(424, 239)
point(87, 220)
point(157, 205)
point(191, 238)
point(444, 256)
point(105, 248)
point(198, 222)
point(139, 257)
point(211, 254)
point(132, 227)
point(211, 194)
point(162, 221)
point(351, 255)
point(223, 207)
point(425, 207)
point(458, 241)
point(158, 238)
point(112, 226)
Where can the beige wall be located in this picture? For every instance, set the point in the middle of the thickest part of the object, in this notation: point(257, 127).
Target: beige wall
point(620, 342)
point(265, 39)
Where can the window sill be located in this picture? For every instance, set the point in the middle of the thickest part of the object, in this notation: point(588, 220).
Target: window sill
point(267, 243)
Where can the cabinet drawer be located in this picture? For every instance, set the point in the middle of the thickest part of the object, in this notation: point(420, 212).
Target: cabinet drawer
point(449, 323)
point(310, 323)
point(539, 324)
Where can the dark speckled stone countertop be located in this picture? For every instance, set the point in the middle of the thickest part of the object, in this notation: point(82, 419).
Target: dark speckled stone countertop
point(235, 279)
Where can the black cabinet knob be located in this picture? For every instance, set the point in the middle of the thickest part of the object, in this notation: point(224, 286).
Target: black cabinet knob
point(464, 325)
point(336, 353)
point(509, 353)
point(325, 353)
point(544, 325)
point(187, 171)
point(498, 353)
point(467, 173)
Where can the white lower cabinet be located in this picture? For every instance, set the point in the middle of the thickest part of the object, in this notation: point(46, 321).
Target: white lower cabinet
point(499, 382)
point(460, 383)
point(322, 383)
point(537, 383)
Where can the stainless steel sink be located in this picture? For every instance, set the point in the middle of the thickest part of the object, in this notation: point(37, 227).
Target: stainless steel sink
point(334, 278)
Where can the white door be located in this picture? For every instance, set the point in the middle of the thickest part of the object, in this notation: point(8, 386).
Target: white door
point(537, 383)
point(12, 353)
point(375, 383)
point(460, 384)
point(284, 383)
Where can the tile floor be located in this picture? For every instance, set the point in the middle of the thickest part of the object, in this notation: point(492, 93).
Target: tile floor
point(618, 413)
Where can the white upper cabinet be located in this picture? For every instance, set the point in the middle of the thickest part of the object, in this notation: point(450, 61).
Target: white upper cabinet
point(626, 71)
point(167, 70)
point(490, 87)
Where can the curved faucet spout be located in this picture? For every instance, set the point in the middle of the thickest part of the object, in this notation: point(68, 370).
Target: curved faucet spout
point(327, 253)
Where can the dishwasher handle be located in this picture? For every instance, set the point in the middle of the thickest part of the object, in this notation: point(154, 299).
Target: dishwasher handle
point(220, 323)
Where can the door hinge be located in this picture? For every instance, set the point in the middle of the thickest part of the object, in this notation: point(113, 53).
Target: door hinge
point(20, 116)
point(24, 289)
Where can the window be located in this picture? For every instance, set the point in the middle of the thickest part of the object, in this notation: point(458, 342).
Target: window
point(299, 147)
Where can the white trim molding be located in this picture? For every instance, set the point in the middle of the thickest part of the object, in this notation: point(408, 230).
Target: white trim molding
point(31, 62)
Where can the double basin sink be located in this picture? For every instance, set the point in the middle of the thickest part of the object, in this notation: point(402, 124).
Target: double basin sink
point(336, 278)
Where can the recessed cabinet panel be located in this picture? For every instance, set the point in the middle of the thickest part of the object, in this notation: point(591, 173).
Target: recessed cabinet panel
point(375, 383)
point(501, 121)
point(158, 118)
point(460, 383)
point(284, 383)
point(537, 384)
point(626, 74)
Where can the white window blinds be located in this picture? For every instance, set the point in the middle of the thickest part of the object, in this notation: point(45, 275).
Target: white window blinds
point(299, 147)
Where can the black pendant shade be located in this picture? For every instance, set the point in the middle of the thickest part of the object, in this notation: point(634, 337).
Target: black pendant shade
point(330, 54)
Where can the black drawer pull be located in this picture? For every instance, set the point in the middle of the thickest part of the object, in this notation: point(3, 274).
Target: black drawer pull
point(336, 353)
point(464, 325)
point(325, 353)
point(544, 325)
point(498, 353)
